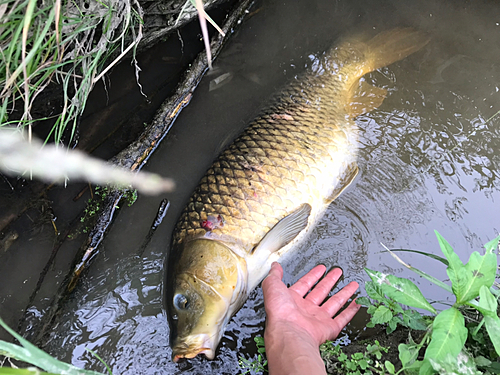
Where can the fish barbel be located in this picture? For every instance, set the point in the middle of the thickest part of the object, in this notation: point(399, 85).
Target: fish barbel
point(264, 193)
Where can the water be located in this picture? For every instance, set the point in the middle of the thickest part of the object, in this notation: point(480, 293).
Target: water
point(428, 161)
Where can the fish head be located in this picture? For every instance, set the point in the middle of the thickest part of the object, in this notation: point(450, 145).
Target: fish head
point(206, 286)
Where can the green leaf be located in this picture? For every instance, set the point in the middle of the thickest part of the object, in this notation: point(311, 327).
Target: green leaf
point(482, 361)
point(382, 315)
point(425, 367)
point(363, 301)
point(462, 364)
point(374, 291)
point(357, 356)
point(456, 270)
point(487, 302)
point(401, 290)
point(448, 335)
point(492, 246)
point(407, 354)
point(390, 367)
point(371, 310)
point(393, 323)
point(415, 320)
point(29, 353)
point(350, 365)
point(493, 328)
point(363, 364)
point(481, 270)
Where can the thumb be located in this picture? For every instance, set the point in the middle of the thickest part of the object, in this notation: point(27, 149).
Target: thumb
point(275, 275)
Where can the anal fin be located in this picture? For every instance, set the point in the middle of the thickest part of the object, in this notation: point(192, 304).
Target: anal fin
point(364, 98)
point(285, 230)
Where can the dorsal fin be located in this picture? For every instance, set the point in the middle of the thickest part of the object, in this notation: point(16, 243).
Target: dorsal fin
point(285, 230)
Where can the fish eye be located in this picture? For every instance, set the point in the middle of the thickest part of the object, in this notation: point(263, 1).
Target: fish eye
point(180, 302)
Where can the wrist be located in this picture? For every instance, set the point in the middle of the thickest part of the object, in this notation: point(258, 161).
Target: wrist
point(291, 351)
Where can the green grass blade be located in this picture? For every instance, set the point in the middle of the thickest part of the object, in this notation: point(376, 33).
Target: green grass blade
point(436, 257)
point(100, 360)
point(432, 279)
point(33, 52)
point(448, 335)
point(29, 353)
point(401, 290)
point(22, 371)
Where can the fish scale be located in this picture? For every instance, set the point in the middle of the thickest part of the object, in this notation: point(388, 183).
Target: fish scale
point(269, 170)
point(263, 195)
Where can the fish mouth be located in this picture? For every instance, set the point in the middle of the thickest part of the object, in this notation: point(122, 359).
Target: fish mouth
point(192, 346)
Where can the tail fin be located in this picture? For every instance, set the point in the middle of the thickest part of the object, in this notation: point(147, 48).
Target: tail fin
point(382, 50)
point(391, 46)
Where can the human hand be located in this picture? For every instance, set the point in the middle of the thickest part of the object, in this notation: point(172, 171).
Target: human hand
point(292, 313)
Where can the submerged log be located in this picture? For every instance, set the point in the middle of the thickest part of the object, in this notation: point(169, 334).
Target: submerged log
point(134, 158)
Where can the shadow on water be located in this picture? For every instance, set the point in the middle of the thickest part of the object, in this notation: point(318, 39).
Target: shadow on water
point(428, 161)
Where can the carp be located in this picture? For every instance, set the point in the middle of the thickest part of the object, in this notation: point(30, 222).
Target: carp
point(266, 190)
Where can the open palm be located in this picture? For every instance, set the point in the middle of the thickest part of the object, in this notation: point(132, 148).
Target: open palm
point(295, 310)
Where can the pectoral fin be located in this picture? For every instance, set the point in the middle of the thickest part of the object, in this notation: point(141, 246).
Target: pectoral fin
point(365, 98)
point(285, 230)
point(345, 181)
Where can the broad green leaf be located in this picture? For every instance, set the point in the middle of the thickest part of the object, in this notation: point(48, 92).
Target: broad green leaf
point(401, 290)
point(456, 269)
point(374, 291)
point(448, 335)
point(382, 315)
point(481, 270)
point(493, 329)
point(29, 353)
point(425, 367)
point(487, 301)
point(462, 364)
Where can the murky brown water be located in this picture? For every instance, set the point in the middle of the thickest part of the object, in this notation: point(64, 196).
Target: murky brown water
point(429, 160)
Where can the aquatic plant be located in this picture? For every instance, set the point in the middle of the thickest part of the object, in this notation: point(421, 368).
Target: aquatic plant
point(456, 340)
